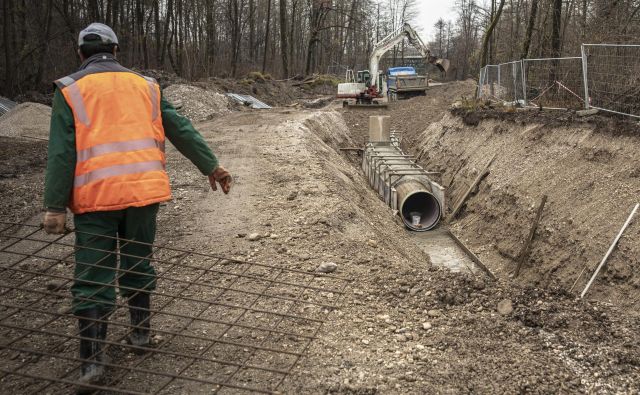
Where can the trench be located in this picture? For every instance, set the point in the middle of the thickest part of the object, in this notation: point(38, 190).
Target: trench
point(429, 234)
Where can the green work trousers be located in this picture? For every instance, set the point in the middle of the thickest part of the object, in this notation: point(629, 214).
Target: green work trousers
point(100, 269)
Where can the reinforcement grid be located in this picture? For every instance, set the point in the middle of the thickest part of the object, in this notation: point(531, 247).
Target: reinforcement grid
point(218, 325)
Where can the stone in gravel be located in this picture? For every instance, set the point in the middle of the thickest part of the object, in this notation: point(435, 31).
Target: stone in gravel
point(434, 313)
point(365, 341)
point(505, 307)
point(401, 338)
point(372, 243)
point(54, 285)
point(426, 326)
point(292, 195)
point(242, 235)
point(327, 267)
point(254, 237)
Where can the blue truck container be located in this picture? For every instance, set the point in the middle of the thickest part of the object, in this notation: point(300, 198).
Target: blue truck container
point(404, 82)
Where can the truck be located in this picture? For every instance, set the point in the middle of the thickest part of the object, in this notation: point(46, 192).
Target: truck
point(403, 82)
point(369, 85)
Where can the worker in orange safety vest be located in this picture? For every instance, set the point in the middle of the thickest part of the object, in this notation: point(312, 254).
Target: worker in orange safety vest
point(106, 164)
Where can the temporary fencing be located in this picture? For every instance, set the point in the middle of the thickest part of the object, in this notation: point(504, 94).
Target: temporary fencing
point(220, 325)
point(612, 73)
point(604, 77)
point(549, 82)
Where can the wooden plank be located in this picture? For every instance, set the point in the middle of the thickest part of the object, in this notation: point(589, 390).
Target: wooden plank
point(481, 175)
point(471, 255)
point(611, 248)
point(532, 232)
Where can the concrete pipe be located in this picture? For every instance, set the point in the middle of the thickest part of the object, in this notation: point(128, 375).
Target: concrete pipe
point(401, 183)
point(419, 209)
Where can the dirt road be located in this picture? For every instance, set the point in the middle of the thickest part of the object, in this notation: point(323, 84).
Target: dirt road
point(405, 326)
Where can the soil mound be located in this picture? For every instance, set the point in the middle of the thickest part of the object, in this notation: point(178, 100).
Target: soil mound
point(198, 104)
point(28, 120)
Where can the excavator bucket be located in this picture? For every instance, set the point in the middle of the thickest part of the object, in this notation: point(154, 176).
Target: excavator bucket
point(442, 64)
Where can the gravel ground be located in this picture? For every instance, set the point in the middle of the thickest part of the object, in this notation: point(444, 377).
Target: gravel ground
point(405, 326)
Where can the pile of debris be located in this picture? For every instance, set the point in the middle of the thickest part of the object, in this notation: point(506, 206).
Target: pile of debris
point(196, 103)
point(28, 120)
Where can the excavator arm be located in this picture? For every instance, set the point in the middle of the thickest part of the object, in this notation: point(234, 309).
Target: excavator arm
point(395, 38)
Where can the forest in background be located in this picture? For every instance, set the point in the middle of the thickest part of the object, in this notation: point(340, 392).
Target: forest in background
point(286, 38)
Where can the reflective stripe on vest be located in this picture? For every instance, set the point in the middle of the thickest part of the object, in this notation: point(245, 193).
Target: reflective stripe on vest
point(122, 146)
point(76, 99)
point(117, 170)
point(155, 111)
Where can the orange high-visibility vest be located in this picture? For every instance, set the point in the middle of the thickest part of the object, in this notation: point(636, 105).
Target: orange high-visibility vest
point(119, 137)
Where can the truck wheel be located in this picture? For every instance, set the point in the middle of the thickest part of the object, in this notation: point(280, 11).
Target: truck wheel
point(345, 104)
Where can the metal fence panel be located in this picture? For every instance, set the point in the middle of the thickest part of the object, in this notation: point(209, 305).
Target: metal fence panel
point(612, 77)
point(554, 82)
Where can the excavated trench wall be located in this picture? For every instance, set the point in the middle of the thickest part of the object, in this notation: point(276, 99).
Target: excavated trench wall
point(592, 179)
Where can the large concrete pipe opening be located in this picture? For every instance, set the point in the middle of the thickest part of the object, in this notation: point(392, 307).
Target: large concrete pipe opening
point(401, 182)
point(420, 209)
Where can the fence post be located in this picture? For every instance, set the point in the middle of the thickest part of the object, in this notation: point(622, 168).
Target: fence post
point(524, 82)
point(515, 82)
point(480, 82)
point(585, 79)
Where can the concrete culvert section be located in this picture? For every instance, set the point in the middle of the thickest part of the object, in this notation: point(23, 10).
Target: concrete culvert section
point(419, 209)
point(399, 180)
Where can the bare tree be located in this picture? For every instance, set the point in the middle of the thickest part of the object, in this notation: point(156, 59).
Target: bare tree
point(283, 38)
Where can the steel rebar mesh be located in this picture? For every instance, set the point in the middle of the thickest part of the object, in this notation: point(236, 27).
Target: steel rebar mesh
point(613, 74)
point(554, 82)
point(218, 324)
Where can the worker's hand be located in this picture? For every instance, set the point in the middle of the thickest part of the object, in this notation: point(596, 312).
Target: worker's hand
point(222, 177)
point(54, 222)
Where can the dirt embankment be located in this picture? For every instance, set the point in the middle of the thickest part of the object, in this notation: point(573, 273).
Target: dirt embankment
point(590, 175)
point(589, 168)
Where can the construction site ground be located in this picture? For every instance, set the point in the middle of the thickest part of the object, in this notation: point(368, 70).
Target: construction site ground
point(407, 325)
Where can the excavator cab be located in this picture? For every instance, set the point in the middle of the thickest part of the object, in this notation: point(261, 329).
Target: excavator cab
point(364, 77)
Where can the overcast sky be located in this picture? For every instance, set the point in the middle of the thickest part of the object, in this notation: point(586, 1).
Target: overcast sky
point(429, 11)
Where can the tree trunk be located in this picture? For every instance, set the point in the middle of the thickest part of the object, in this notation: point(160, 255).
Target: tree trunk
point(266, 37)
point(530, 26)
point(555, 31)
point(7, 6)
point(252, 30)
point(211, 33)
point(45, 38)
point(291, 34)
point(156, 29)
point(165, 34)
point(487, 36)
point(283, 38)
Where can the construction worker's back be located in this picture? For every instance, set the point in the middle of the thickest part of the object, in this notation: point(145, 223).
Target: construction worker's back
point(119, 137)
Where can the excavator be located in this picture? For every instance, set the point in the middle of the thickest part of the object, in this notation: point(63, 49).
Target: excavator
point(369, 84)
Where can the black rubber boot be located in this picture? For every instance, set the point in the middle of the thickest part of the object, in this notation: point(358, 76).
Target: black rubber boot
point(139, 305)
point(92, 335)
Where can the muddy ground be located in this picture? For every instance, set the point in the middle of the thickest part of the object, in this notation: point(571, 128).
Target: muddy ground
point(405, 326)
